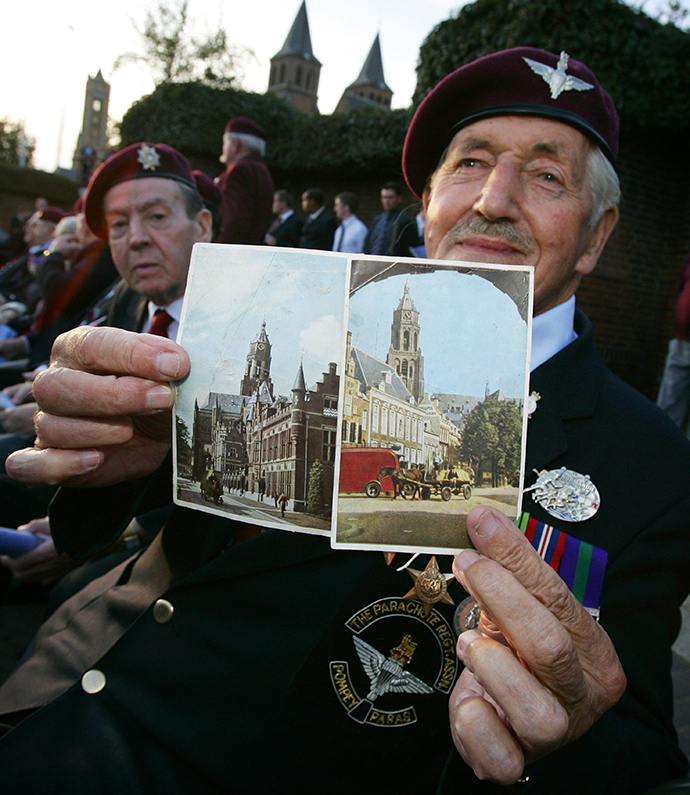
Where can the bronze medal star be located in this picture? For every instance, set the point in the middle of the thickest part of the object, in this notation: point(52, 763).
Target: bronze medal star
point(430, 586)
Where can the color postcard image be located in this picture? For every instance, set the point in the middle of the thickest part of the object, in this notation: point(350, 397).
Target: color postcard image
point(256, 418)
point(433, 401)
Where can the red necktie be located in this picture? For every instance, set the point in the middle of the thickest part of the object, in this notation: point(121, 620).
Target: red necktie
point(160, 323)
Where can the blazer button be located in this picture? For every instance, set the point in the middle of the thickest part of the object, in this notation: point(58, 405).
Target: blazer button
point(163, 611)
point(93, 681)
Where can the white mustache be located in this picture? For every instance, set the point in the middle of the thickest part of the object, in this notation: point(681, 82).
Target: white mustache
point(502, 230)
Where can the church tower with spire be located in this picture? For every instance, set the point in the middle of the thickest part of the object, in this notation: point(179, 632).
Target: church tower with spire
point(405, 354)
point(258, 368)
point(93, 138)
point(370, 88)
point(294, 70)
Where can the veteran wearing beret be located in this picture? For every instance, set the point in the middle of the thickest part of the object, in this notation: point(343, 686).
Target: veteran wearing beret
point(246, 184)
point(513, 156)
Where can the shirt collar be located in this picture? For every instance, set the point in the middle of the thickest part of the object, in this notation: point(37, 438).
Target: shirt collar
point(175, 312)
point(285, 215)
point(552, 331)
point(316, 214)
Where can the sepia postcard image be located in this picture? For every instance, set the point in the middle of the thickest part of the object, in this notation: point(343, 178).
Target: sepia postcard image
point(433, 397)
point(256, 418)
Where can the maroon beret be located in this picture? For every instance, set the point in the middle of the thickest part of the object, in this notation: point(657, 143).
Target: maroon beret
point(132, 162)
point(52, 214)
point(208, 190)
point(524, 81)
point(243, 126)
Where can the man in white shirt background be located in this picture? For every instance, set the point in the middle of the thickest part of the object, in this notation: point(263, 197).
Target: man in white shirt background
point(351, 234)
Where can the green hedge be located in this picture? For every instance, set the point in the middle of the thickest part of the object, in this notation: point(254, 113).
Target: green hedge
point(641, 62)
point(192, 116)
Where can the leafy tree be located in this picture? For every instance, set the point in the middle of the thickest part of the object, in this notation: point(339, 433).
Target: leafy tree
point(174, 55)
point(492, 433)
point(12, 141)
point(639, 60)
point(315, 492)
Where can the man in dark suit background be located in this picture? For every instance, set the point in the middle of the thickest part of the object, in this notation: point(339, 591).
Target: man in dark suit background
point(287, 228)
point(393, 233)
point(319, 228)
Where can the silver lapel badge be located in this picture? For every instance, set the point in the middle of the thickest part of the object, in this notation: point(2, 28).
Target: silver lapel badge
point(565, 494)
point(557, 79)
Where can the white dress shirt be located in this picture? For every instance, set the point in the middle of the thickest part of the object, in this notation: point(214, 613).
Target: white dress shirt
point(350, 235)
point(552, 331)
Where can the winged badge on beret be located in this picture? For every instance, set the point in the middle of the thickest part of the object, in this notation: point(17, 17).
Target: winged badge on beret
point(557, 79)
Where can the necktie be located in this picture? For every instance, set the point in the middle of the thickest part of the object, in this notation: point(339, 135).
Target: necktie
point(380, 246)
point(160, 323)
point(339, 234)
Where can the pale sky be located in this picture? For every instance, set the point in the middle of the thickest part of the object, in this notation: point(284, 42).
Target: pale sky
point(49, 50)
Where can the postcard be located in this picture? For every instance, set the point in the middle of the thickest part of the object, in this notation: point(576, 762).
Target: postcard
point(434, 396)
point(256, 418)
point(372, 399)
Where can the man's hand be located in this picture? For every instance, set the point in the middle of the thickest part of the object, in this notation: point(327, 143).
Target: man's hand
point(42, 564)
point(19, 420)
point(13, 348)
point(104, 409)
point(539, 670)
point(21, 392)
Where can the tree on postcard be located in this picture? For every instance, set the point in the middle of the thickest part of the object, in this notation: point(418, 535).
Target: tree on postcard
point(491, 439)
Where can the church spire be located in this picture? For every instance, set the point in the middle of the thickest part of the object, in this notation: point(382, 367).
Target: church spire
point(370, 88)
point(295, 69)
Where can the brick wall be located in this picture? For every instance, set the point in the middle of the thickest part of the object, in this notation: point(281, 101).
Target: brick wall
point(631, 295)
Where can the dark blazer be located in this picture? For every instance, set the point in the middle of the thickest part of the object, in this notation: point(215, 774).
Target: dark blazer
point(398, 239)
point(591, 422)
point(261, 649)
point(245, 209)
point(288, 232)
point(319, 232)
point(127, 309)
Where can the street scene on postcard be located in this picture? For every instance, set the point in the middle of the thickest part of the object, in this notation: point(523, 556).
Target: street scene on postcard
point(256, 419)
point(433, 402)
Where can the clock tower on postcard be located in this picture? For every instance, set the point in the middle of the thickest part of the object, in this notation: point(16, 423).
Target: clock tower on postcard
point(404, 354)
point(258, 367)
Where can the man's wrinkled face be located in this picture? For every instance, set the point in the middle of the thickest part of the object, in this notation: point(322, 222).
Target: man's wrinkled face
point(390, 199)
point(151, 236)
point(516, 190)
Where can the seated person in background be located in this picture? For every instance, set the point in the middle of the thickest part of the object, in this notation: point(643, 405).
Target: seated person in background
point(185, 661)
point(76, 269)
point(18, 276)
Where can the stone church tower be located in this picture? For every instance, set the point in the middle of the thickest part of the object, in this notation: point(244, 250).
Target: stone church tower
point(93, 137)
point(294, 70)
point(370, 88)
point(404, 354)
point(258, 367)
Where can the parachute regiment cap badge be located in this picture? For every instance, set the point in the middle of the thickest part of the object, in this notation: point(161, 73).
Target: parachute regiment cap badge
point(557, 79)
